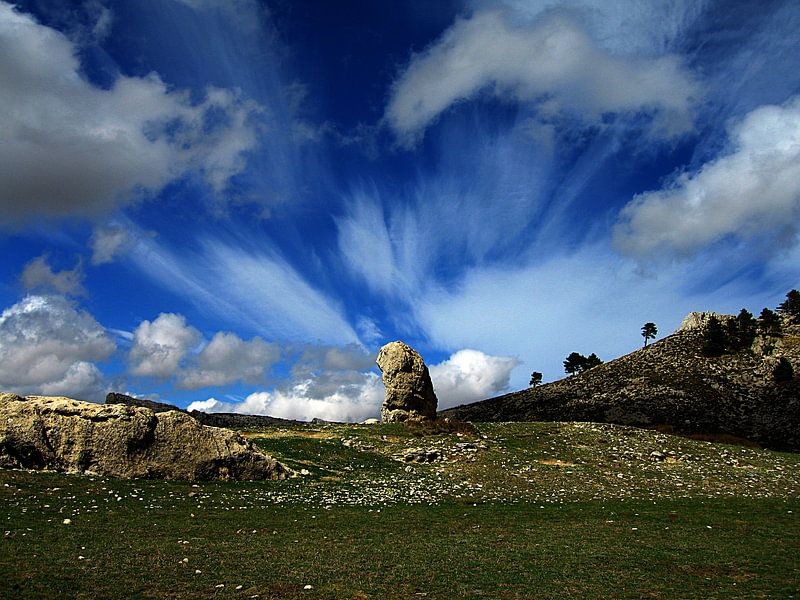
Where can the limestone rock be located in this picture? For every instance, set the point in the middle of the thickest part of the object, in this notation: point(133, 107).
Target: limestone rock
point(124, 441)
point(409, 391)
point(698, 320)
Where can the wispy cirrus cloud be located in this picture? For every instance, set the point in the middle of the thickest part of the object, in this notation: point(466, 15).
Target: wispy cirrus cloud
point(249, 286)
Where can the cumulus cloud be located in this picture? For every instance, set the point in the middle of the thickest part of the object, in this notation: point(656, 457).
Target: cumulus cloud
point(108, 242)
point(552, 62)
point(752, 190)
point(470, 375)
point(39, 276)
point(160, 346)
point(69, 147)
point(352, 397)
point(317, 358)
point(48, 347)
point(227, 358)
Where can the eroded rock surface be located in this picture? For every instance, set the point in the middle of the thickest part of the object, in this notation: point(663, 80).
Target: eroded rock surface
point(69, 435)
point(409, 391)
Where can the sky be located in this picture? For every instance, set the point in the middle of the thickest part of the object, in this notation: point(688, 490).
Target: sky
point(232, 204)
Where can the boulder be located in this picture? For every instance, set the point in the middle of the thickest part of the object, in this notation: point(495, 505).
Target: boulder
point(409, 391)
point(63, 434)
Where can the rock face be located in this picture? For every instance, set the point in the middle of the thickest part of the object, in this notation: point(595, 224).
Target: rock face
point(698, 320)
point(753, 393)
point(69, 435)
point(409, 391)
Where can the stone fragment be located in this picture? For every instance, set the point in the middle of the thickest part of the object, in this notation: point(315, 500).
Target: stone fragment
point(409, 390)
point(63, 434)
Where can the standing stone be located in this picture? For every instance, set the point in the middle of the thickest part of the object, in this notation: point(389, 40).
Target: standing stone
point(409, 391)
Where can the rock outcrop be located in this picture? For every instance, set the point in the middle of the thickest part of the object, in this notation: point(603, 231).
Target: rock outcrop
point(115, 440)
point(409, 390)
point(753, 393)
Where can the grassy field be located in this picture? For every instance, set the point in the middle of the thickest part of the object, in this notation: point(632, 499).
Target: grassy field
point(519, 510)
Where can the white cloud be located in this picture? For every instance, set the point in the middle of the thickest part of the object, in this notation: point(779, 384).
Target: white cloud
point(470, 375)
point(627, 27)
point(39, 276)
point(253, 287)
point(752, 190)
point(48, 347)
point(226, 359)
point(108, 242)
point(552, 62)
point(352, 399)
point(160, 346)
point(69, 147)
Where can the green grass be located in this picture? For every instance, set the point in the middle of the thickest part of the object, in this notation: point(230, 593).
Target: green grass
point(538, 512)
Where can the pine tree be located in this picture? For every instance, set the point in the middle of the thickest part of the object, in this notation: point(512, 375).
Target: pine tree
point(649, 332)
point(536, 379)
point(745, 329)
point(575, 363)
point(769, 323)
point(791, 306)
point(593, 361)
point(715, 342)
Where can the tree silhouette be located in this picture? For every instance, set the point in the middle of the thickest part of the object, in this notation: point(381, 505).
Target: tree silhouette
point(791, 306)
point(715, 342)
point(745, 329)
point(649, 332)
point(592, 361)
point(769, 323)
point(536, 379)
point(575, 363)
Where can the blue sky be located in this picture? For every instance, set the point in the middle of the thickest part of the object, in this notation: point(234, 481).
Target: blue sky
point(231, 205)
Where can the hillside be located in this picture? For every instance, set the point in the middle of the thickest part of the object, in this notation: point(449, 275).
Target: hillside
point(671, 383)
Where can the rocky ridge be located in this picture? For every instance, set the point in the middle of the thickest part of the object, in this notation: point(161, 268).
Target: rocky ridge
point(116, 440)
point(228, 420)
point(671, 383)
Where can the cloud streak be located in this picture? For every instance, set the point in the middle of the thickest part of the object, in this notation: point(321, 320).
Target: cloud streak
point(252, 287)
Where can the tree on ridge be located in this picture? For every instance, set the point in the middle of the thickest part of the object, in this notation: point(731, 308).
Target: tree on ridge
point(649, 332)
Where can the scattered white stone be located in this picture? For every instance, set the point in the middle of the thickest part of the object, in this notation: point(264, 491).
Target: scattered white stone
point(67, 521)
point(308, 587)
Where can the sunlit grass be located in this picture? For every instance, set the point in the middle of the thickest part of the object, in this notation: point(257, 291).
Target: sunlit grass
point(546, 510)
